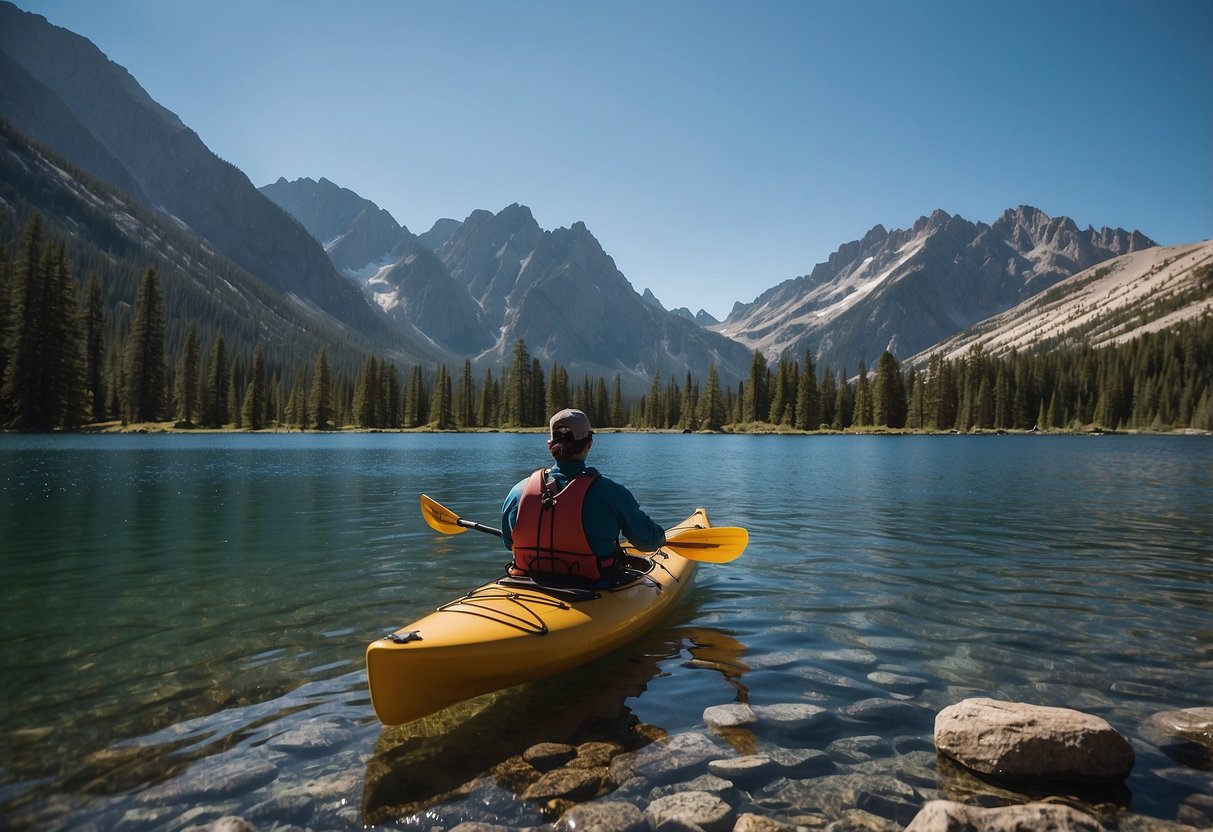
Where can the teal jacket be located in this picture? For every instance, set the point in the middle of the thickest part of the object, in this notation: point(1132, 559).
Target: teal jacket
point(609, 510)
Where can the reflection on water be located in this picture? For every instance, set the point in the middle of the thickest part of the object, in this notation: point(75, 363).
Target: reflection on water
point(171, 601)
point(428, 761)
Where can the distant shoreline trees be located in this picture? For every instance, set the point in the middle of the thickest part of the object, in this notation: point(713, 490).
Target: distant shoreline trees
point(63, 365)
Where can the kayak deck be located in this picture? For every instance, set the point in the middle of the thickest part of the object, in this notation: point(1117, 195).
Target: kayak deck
point(511, 631)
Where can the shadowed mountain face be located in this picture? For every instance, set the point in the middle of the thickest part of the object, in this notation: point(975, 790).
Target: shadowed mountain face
point(70, 97)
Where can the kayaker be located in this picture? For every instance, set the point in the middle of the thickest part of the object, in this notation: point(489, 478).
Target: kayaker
point(564, 522)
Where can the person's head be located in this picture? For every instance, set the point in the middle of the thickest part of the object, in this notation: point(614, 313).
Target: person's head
point(570, 436)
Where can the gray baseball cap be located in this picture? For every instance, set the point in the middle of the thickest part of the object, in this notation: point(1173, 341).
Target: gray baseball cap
point(572, 420)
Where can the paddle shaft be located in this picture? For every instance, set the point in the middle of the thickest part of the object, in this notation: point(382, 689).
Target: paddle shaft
point(468, 524)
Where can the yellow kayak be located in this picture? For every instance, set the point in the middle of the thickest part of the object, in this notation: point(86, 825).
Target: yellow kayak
point(513, 630)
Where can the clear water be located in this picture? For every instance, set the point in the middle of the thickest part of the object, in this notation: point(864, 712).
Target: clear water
point(169, 598)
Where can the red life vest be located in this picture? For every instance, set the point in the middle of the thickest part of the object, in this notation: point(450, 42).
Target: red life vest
point(548, 536)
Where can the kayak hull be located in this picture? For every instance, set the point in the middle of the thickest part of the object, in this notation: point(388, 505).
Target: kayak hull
point(508, 631)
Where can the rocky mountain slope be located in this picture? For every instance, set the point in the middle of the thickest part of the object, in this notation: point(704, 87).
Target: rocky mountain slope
point(112, 235)
point(68, 96)
point(908, 289)
point(1111, 303)
point(473, 288)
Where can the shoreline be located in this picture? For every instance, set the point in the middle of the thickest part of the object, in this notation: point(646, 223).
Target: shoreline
point(169, 427)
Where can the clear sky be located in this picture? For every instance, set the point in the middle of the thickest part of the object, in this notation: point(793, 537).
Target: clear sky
point(715, 149)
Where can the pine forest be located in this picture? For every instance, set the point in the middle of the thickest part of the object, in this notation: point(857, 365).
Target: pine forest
point(70, 360)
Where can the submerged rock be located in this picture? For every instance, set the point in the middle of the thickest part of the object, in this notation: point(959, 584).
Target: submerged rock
point(1185, 735)
point(607, 816)
point(947, 816)
point(1031, 742)
point(217, 777)
point(706, 811)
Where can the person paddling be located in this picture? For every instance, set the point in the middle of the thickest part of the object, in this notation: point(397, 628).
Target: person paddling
point(563, 523)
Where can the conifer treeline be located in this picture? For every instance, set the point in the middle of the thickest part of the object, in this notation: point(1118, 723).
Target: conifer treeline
point(62, 365)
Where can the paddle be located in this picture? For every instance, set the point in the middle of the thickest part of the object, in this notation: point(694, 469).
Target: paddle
point(716, 544)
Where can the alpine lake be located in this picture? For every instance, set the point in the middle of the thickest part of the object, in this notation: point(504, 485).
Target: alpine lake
point(185, 616)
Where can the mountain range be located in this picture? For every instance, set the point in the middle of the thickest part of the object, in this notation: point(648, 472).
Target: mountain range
point(312, 260)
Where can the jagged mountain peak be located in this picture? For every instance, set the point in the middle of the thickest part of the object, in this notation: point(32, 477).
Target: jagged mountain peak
point(907, 289)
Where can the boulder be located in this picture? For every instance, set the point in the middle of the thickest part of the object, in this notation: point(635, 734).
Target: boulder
point(948, 816)
point(1031, 742)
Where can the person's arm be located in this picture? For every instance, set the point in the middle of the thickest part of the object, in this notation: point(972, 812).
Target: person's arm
point(509, 515)
point(639, 529)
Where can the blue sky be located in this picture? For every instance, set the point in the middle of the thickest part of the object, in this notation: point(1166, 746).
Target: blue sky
point(714, 149)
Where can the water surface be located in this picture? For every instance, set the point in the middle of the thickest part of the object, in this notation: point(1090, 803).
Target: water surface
point(172, 599)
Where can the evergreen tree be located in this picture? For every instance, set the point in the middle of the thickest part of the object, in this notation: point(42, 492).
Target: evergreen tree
point(844, 403)
point(218, 383)
point(558, 396)
point(712, 411)
point(145, 369)
point(616, 412)
point(367, 394)
point(863, 414)
point(828, 394)
point(254, 406)
point(517, 404)
point(20, 395)
point(465, 398)
point(888, 394)
point(320, 401)
point(185, 386)
point(441, 406)
point(808, 397)
point(95, 351)
point(756, 396)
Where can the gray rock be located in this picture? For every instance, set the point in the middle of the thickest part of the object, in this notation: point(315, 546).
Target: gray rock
point(224, 775)
point(604, 816)
point(735, 715)
point(859, 749)
point(669, 760)
point(849, 656)
point(793, 716)
point(703, 783)
point(595, 755)
point(312, 738)
point(802, 762)
point(757, 823)
point(232, 823)
point(568, 783)
point(892, 808)
point(707, 811)
point(474, 826)
point(898, 682)
point(887, 712)
point(1031, 742)
point(549, 755)
point(743, 771)
point(1184, 735)
point(947, 816)
point(291, 808)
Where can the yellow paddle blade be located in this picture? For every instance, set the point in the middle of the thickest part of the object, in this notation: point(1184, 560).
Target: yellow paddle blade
point(439, 517)
point(715, 544)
